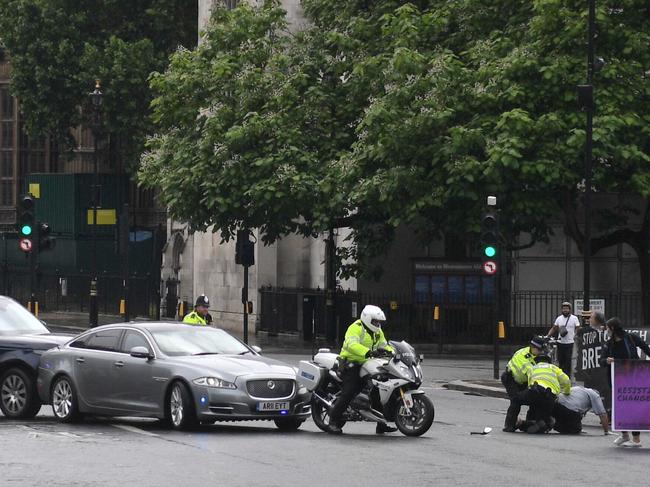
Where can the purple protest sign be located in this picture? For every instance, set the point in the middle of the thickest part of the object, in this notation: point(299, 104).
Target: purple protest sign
point(631, 395)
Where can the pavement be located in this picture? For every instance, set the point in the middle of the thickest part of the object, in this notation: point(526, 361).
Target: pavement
point(103, 452)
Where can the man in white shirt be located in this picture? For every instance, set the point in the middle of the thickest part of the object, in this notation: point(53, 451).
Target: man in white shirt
point(565, 327)
point(571, 408)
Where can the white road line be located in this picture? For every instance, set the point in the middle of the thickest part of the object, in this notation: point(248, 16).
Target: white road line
point(133, 429)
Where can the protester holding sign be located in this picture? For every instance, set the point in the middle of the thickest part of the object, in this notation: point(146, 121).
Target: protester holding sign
point(565, 326)
point(622, 346)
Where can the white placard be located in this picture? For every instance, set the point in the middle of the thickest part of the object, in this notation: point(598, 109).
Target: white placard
point(594, 305)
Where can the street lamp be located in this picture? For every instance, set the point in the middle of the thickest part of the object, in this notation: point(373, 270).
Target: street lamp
point(586, 102)
point(96, 97)
point(589, 158)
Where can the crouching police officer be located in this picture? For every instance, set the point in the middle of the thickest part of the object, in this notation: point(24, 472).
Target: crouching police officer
point(515, 379)
point(200, 315)
point(364, 339)
point(545, 382)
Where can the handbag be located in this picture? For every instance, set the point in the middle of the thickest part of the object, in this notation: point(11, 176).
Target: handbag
point(563, 330)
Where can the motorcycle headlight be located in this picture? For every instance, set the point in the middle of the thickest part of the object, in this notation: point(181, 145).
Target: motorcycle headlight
point(214, 382)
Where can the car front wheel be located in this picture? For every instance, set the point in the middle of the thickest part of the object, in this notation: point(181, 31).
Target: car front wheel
point(64, 401)
point(18, 395)
point(180, 407)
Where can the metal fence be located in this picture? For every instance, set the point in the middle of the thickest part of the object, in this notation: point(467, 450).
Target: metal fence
point(70, 292)
point(540, 308)
point(302, 312)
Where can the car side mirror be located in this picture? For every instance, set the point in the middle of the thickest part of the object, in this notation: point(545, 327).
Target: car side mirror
point(256, 349)
point(140, 352)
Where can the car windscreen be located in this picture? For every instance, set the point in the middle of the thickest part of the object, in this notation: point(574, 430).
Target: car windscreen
point(16, 320)
point(195, 340)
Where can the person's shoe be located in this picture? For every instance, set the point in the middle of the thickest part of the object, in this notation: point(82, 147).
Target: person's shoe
point(334, 430)
point(509, 429)
point(384, 428)
point(550, 423)
point(621, 439)
point(631, 444)
point(537, 427)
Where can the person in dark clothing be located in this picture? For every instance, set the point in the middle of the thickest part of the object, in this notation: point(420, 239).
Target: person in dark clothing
point(622, 346)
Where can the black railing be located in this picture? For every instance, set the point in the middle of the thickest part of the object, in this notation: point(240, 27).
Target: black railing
point(540, 308)
point(298, 311)
point(68, 292)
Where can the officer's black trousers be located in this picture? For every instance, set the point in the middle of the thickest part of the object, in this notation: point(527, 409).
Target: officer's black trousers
point(352, 385)
point(514, 391)
point(567, 422)
point(565, 357)
point(540, 401)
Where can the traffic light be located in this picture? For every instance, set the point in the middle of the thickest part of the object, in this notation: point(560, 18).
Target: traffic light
point(25, 221)
point(490, 233)
point(244, 249)
point(45, 241)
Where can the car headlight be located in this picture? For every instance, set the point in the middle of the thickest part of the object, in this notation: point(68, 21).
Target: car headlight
point(214, 382)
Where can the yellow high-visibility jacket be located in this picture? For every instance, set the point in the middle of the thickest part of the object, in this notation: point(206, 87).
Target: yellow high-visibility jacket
point(551, 377)
point(520, 364)
point(359, 340)
point(194, 318)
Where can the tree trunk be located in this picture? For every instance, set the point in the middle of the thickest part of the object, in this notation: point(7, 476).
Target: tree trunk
point(639, 240)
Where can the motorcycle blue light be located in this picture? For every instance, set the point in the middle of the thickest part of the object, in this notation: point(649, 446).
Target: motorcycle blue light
point(284, 412)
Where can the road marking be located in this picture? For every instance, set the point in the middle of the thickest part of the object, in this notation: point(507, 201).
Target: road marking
point(133, 429)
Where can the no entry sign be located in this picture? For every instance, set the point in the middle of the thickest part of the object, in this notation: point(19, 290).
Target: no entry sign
point(490, 267)
point(25, 245)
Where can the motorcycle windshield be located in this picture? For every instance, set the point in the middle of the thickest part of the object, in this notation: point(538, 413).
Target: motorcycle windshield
point(404, 352)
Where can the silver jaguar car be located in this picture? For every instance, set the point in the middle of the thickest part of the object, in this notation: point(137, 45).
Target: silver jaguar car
point(180, 373)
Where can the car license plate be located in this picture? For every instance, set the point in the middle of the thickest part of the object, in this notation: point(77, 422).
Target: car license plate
point(273, 406)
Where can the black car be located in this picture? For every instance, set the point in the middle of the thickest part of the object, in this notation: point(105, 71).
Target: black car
point(23, 339)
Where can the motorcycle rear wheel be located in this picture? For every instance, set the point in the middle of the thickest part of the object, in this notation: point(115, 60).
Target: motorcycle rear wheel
point(421, 418)
point(320, 415)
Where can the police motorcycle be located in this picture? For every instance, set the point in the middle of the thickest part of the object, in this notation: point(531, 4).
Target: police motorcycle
point(390, 393)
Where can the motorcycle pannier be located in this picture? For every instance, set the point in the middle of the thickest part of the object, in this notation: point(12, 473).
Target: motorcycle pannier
point(310, 374)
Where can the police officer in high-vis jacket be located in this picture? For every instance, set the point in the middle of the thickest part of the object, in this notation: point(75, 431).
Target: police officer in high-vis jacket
point(545, 382)
point(364, 339)
point(515, 379)
point(200, 315)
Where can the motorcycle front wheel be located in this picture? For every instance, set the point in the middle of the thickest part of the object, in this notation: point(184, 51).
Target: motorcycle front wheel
point(320, 414)
point(420, 419)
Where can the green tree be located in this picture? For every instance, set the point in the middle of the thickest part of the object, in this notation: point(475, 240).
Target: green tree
point(251, 126)
point(58, 47)
point(485, 102)
point(389, 112)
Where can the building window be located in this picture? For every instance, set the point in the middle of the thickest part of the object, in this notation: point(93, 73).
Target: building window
point(7, 150)
point(453, 289)
point(230, 4)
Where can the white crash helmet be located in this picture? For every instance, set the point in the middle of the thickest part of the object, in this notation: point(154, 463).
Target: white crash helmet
point(370, 314)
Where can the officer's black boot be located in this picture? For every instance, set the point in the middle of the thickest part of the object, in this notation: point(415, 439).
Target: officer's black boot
point(384, 428)
point(512, 417)
point(334, 429)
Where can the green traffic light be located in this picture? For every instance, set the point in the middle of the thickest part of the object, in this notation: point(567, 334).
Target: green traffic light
point(490, 251)
point(26, 230)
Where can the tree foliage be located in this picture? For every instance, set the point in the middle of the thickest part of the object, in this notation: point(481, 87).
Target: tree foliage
point(58, 48)
point(390, 112)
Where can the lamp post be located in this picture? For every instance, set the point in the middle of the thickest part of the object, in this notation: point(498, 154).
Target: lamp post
point(96, 97)
point(588, 158)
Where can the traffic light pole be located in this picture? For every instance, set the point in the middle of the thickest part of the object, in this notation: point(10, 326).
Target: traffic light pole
point(96, 99)
point(244, 298)
point(586, 301)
